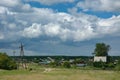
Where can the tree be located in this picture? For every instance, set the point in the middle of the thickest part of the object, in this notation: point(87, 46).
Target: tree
point(6, 62)
point(101, 49)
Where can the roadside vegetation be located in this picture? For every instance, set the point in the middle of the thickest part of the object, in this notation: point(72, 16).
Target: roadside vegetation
point(7, 62)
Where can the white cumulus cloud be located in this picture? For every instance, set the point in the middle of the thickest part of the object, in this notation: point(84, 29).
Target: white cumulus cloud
point(3, 10)
point(82, 27)
point(110, 25)
point(100, 5)
point(32, 31)
point(52, 29)
point(9, 3)
point(31, 22)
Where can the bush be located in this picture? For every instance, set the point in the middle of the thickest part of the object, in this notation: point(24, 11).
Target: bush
point(110, 65)
point(100, 65)
point(66, 64)
point(6, 62)
point(117, 68)
point(55, 64)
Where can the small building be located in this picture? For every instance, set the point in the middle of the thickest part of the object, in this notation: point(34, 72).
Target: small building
point(100, 58)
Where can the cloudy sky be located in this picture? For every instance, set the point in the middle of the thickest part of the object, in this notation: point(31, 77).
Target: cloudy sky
point(59, 27)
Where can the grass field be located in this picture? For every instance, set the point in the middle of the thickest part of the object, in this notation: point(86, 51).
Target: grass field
point(59, 74)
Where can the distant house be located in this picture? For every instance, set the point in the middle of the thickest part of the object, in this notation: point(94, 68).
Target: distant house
point(100, 58)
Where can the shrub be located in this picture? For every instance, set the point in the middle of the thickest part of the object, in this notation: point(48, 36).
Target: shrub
point(110, 65)
point(100, 65)
point(6, 62)
point(117, 68)
point(55, 64)
point(66, 64)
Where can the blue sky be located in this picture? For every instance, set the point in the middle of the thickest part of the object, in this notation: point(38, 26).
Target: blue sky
point(59, 27)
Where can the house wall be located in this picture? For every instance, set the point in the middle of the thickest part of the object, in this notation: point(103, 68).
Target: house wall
point(100, 58)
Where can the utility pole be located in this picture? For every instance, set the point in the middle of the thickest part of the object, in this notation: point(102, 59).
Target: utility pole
point(14, 54)
point(22, 56)
point(21, 50)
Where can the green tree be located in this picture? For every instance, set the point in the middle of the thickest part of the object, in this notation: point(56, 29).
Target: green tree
point(6, 62)
point(101, 49)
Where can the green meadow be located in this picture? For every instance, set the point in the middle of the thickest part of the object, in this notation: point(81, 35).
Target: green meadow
point(59, 74)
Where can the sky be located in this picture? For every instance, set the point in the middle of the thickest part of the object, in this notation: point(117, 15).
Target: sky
point(59, 27)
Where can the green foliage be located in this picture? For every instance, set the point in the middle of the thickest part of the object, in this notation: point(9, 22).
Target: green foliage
point(90, 63)
point(78, 60)
point(100, 64)
point(110, 65)
point(104, 65)
point(55, 64)
point(101, 49)
point(66, 64)
point(6, 62)
point(35, 60)
point(117, 67)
